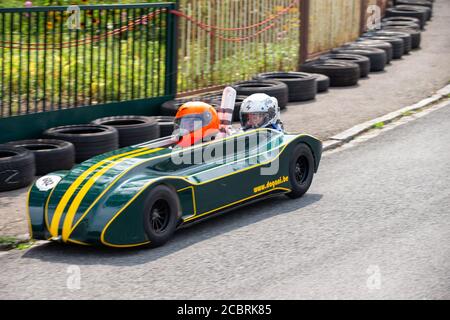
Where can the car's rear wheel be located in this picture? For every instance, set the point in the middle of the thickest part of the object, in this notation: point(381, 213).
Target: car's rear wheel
point(161, 215)
point(301, 170)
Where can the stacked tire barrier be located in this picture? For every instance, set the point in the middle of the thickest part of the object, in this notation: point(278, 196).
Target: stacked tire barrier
point(17, 167)
point(301, 86)
point(89, 139)
point(131, 129)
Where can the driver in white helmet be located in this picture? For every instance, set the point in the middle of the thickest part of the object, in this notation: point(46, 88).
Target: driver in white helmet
point(260, 111)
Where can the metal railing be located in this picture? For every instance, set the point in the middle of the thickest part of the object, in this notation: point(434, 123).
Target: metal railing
point(110, 53)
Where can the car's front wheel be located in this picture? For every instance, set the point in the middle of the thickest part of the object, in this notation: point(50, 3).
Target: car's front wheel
point(161, 215)
point(301, 170)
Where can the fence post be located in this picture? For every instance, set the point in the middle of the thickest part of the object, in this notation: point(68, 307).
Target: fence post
point(364, 6)
point(304, 31)
point(171, 51)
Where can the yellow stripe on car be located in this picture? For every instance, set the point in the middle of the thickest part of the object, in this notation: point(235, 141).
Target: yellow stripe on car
point(71, 190)
point(67, 226)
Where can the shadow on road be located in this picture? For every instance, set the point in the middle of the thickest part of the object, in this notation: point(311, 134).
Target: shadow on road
point(183, 238)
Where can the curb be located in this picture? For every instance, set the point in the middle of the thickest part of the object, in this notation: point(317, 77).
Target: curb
point(348, 135)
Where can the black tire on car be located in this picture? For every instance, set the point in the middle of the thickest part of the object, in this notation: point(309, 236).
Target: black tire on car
point(161, 215)
point(323, 82)
point(377, 56)
point(302, 86)
point(89, 139)
point(17, 167)
point(301, 170)
point(341, 73)
point(132, 129)
point(398, 45)
point(50, 155)
point(272, 88)
point(166, 125)
point(362, 61)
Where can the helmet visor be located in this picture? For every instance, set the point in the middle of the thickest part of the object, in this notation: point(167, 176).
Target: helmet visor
point(192, 122)
point(254, 120)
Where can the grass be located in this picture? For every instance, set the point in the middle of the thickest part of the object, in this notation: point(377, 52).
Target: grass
point(8, 243)
point(379, 125)
point(407, 113)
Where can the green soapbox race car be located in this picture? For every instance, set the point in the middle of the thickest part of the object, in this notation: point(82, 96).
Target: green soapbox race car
point(140, 195)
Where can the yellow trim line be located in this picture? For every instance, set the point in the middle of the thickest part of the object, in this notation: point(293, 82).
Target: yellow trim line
point(73, 187)
point(68, 221)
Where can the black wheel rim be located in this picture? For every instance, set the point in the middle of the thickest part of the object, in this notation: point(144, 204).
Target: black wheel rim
point(301, 170)
point(159, 216)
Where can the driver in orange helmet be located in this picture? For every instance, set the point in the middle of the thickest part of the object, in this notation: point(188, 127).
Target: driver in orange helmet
point(195, 122)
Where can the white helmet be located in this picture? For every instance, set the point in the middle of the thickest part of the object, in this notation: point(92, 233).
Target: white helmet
point(259, 111)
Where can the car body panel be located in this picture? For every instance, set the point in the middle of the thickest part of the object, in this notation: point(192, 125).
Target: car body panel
point(101, 201)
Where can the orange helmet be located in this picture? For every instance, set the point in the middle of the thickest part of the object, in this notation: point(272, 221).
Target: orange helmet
point(194, 122)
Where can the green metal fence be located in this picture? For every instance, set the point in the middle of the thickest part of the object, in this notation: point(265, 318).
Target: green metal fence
point(113, 53)
point(61, 58)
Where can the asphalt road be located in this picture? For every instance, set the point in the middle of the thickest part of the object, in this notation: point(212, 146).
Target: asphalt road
point(375, 224)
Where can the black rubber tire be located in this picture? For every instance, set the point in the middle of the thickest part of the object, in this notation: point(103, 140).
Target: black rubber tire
point(416, 36)
point(377, 56)
point(323, 82)
point(89, 139)
point(302, 86)
point(423, 3)
point(398, 45)
point(300, 183)
point(237, 108)
point(341, 74)
point(170, 108)
point(362, 61)
point(159, 195)
point(166, 125)
point(403, 12)
point(406, 37)
point(427, 11)
point(272, 88)
point(49, 155)
point(405, 24)
point(387, 47)
point(132, 129)
point(17, 167)
point(404, 19)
